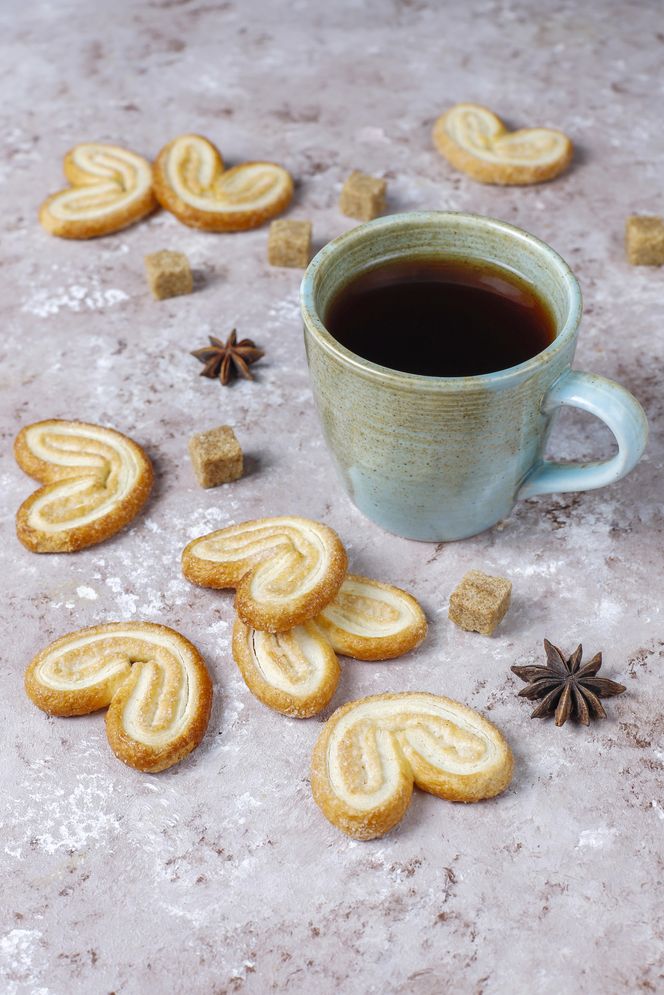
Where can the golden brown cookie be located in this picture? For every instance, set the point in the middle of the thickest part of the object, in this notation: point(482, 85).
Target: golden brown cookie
point(111, 188)
point(297, 672)
point(191, 182)
point(372, 751)
point(153, 680)
point(285, 570)
point(294, 672)
point(95, 479)
point(368, 620)
point(476, 141)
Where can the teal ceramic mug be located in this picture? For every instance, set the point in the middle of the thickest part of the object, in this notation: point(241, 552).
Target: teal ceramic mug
point(440, 458)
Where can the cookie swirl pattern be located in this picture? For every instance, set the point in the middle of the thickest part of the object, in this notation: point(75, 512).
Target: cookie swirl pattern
point(285, 570)
point(111, 188)
point(372, 751)
point(191, 182)
point(153, 681)
point(95, 479)
point(294, 672)
point(297, 672)
point(475, 140)
point(368, 620)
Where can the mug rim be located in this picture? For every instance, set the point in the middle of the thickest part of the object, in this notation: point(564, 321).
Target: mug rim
point(498, 378)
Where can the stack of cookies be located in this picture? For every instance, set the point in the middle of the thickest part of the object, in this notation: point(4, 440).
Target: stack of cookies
point(297, 608)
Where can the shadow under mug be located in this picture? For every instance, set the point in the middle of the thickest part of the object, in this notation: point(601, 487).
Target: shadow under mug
point(442, 458)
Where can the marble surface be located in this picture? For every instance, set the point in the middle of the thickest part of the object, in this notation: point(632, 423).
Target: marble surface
point(220, 875)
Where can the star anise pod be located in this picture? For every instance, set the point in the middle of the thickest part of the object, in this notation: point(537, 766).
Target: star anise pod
point(226, 359)
point(567, 687)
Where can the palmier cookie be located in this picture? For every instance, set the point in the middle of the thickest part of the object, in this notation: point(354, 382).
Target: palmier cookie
point(297, 672)
point(294, 672)
point(368, 620)
point(111, 188)
point(190, 181)
point(96, 480)
point(152, 679)
point(285, 570)
point(477, 142)
point(372, 751)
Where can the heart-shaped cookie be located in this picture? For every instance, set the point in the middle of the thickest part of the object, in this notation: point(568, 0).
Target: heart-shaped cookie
point(111, 188)
point(297, 672)
point(153, 681)
point(285, 569)
point(95, 481)
point(191, 182)
point(475, 140)
point(371, 752)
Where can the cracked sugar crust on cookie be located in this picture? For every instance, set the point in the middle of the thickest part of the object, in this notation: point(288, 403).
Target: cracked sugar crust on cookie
point(153, 681)
point(372, 751)
point(111, 188)
point(285, 569)
point(476, 141)
point(191, 181)
point(95, 479)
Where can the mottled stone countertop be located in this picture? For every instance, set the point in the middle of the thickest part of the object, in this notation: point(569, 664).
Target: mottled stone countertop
point(221, 875)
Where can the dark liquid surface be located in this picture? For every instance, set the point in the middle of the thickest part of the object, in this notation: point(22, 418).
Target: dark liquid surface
point(440, 318)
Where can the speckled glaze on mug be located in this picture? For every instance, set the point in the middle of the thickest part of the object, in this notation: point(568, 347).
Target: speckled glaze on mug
point(441, 458)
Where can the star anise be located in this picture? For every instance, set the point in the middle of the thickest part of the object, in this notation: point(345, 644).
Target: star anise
point(567, 687)
point(226, 359)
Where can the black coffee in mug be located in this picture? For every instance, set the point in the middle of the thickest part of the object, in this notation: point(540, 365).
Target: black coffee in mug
point(441, 317)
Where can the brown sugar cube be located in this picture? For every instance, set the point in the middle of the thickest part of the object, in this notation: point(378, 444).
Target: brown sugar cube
point(644, 240)
point(169, 274)
point(363, 196)
point(289, 244)
point(216, 456)
point(480, 602)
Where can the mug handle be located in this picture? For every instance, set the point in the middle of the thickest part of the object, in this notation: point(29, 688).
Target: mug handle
point(617, 408)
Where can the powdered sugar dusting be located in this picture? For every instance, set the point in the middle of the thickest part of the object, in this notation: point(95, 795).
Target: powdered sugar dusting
point(19, 962)
point(77, 297)
point(87, 593)
point(52, 818)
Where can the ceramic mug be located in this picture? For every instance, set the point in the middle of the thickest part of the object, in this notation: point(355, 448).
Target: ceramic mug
point(440, 458)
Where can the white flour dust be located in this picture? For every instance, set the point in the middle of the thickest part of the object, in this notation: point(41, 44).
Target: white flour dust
point(87, 593)
point(43, 302)
point(50, 818)
point(596, 838)
point(18, 948)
